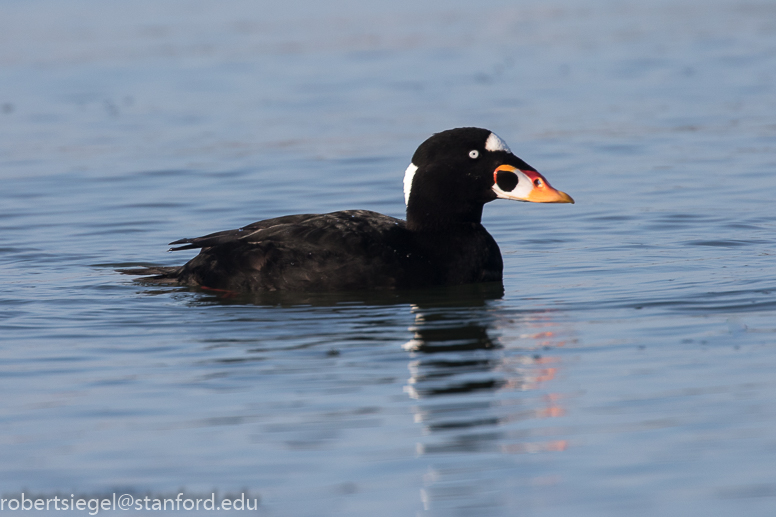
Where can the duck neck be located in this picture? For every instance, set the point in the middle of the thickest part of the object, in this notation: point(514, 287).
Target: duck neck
point(426, 217)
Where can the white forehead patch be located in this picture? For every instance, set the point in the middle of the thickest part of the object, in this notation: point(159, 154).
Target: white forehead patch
point(408, 175)
point(494, 143)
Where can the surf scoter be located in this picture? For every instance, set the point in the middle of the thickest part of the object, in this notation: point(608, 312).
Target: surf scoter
point(442, 242)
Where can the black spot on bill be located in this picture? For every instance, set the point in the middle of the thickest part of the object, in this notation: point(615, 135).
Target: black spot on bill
point(506, 181)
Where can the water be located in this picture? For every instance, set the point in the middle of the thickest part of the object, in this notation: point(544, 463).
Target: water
point(626, 369)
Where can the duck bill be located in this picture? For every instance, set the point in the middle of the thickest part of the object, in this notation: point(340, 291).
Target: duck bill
point(547, 194)
point(526, 185)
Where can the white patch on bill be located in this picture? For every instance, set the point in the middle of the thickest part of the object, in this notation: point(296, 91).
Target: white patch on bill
point(521, 191)
point(408, 175)
point(494, 143)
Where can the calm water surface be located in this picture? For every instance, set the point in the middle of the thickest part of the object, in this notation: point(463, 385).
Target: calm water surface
point(627, 367)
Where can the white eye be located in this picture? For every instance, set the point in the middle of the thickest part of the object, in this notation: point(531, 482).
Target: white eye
point(474, 154)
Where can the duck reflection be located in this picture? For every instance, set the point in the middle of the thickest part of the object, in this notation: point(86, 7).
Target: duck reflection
point(482, 374)
point(474, 377)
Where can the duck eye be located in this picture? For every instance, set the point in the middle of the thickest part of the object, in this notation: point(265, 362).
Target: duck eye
point(474, 154)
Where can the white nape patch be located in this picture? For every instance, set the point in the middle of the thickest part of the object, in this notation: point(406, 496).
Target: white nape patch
point(408, 175)
point(495, 143)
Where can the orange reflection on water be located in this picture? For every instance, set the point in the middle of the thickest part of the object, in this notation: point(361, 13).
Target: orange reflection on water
point(534, 447)
point(534, 372)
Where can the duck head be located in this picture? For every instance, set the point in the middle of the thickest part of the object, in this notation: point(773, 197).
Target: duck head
point(455, 172)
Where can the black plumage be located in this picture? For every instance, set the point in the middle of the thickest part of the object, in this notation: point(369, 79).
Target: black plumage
point(442, 242)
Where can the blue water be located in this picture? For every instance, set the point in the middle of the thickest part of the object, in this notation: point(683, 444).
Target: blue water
point(626, 369)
